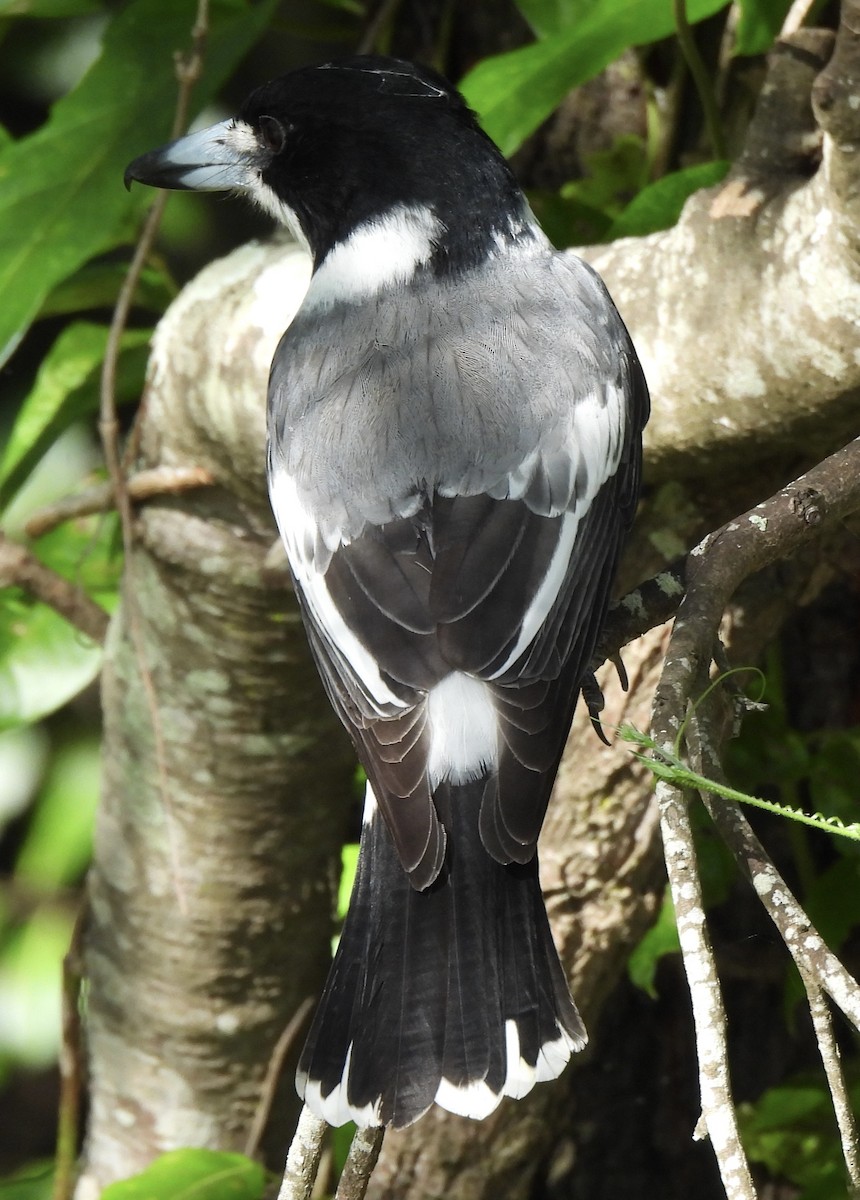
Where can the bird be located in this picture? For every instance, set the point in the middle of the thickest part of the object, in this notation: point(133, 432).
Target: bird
point(455, 421)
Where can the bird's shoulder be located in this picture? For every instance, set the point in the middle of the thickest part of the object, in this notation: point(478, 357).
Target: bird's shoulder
point(513, 380)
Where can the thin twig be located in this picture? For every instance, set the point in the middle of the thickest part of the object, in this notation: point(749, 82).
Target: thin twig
point(18, 567)
point(718, 1110)
point(188, 71)
point(796, 17)
point(155, 481)
point(823, 1024)
point(358, 1168)
point(819, 969)
point(772, 530)
point(379, 24)
point(805, 944)
point(273, 1074)
point(304, 1156)
point(71, 1065)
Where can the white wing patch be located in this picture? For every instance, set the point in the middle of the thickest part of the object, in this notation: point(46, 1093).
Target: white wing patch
point(300, 534)
point(370, 806)
point(539, 609)
point(594, 443)
point(463, 729)
point(378, 255)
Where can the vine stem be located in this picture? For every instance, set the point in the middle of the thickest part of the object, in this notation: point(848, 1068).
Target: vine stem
point(701, 79)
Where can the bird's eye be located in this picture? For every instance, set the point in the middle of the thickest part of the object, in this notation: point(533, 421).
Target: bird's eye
point(272, 134)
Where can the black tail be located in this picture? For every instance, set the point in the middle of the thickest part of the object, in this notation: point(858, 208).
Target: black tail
point(454, 994)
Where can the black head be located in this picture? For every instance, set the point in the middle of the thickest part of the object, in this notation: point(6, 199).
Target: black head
point(334, 146)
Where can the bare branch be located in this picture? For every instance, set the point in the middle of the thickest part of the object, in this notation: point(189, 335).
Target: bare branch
point(718, 1110)
point(18, 567)
point(273, 1074)
point(71, 1064)
point(808, 949)
point(363, 1153)
point(774, 529)
point(796, 17)
point(716, 567)
point(157, 481)
point(304, 1157)
point(823, 1024)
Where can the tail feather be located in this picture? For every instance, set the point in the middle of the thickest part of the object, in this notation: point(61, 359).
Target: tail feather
point(453, 995)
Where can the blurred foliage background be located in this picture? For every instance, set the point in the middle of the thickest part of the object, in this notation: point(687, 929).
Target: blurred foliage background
point(595, 102)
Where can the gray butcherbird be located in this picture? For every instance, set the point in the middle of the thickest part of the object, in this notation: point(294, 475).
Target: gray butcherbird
point(455, 420)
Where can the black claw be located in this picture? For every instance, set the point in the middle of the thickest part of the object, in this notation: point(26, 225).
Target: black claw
point(593, 697)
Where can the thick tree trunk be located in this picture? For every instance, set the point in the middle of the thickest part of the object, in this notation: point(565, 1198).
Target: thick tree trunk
point(227, 778)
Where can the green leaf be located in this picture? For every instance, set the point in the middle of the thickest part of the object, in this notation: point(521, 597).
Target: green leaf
point(660, 940)
point(349, 862)
point(512, 93)
point(659, 205)
point(33, 1182)
point(97, 285)
point(548, 17)
point(792, 1130)
point(66, 389)
point(760, 22)
point(61, 196)
point(833, 901)
point(354, 7)
point(341, 1138)
point(30, 973)
point(567, 221)
point(193, 1175)
point(58, 844)
point(583, 210)
point(44, 661)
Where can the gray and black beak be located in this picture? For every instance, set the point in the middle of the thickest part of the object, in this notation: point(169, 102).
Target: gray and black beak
point(222, 158)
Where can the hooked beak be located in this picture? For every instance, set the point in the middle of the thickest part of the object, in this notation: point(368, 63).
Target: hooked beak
point(222, 158)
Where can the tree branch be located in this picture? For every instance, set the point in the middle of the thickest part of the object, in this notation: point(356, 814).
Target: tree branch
point(160, 481)
point(718, 1110)
point(830, 1057)
point(775, 528)
point(808, 949)
point(362, 1158)
point(760, 279)
point(304, 1157)
point(20, 568)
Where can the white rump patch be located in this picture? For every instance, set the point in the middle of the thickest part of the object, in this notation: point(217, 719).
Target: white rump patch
point(463, 729)
point(335, 1107)
point(300, 535)
point(377, 255)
